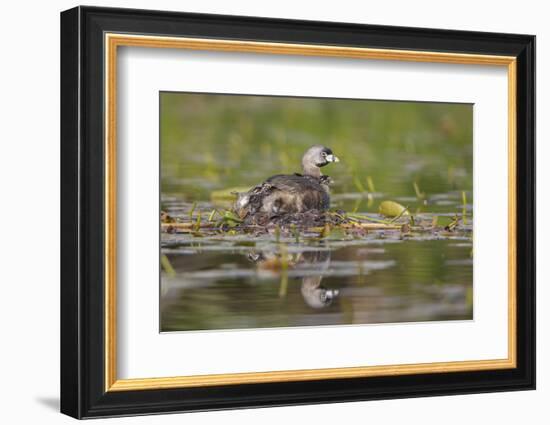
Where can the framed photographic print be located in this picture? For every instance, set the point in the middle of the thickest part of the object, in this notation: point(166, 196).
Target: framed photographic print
point(261, 212)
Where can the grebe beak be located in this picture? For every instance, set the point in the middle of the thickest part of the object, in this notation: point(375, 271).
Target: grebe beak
point(332, 158)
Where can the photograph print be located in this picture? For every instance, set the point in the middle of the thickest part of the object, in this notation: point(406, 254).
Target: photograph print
point(281, 212)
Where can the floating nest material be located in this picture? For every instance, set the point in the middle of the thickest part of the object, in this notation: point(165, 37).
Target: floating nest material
point(393, 219)
point(308, 219)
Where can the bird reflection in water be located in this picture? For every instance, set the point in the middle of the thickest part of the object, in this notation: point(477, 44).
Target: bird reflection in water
point(310, 266)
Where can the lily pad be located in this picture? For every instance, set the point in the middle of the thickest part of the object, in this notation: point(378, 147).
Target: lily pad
point(392, 209)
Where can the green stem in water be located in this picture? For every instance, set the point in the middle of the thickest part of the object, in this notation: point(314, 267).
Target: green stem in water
point(364, 217)
point(464, 202)
point(284, 272)
point(212, 214)
point(295, 233)
point(167, 266)
point(400, 214)
point(198, 222)
point(370, 184)
point(192, 211)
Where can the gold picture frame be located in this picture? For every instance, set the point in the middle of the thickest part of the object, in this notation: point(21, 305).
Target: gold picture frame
point(114, 41)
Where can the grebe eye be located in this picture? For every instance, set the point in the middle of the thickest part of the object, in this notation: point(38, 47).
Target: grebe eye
point(323, 154)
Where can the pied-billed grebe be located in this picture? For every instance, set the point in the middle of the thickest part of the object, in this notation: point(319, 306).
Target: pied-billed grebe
point(292, 193)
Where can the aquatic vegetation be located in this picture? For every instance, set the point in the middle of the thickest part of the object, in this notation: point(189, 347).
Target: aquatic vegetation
point(394, 218)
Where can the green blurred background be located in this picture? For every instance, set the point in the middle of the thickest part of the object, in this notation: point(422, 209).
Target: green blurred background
point(213, 142)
